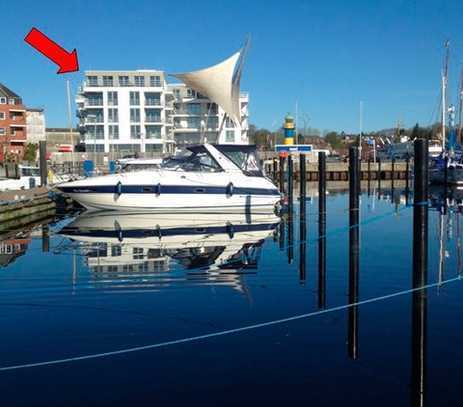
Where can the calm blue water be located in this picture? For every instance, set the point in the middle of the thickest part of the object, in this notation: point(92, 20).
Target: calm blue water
point(112, 281)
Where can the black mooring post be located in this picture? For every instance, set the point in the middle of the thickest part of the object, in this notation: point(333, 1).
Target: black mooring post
point(281, 173)
point(302, 218)
point(321, 230)
point(378, 176)
point(407, 178)
point(420, 211)
point(290, 248)
point(369, 176)
point(420, 270)
point(352, 336)
point(290, 183)
point(392, 173)
point(281, 234)
point(275, 166)
point(446, 171)
point(43, 162)
point(45, 238)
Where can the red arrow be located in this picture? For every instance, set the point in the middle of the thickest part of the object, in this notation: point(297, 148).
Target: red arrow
point(67, 61)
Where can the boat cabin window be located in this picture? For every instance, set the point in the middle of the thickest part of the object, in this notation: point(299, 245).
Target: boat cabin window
point(199, 160)
point(30, 172)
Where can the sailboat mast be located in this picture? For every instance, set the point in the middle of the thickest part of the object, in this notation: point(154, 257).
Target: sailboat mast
point(444, 88)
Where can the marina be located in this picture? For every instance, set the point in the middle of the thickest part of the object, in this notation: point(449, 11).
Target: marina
point(307, 287)
point(236, 204)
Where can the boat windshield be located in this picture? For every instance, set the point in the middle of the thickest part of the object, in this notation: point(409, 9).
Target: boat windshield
point(244, 157)
point(198, 160)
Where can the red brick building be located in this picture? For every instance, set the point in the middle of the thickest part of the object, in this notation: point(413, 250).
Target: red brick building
point(12, 124)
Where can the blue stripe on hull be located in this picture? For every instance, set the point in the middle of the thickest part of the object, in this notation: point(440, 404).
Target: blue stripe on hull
point(166, 189)
point(180, 231)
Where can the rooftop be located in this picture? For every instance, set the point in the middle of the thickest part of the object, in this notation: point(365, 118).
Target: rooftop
point(6, 92)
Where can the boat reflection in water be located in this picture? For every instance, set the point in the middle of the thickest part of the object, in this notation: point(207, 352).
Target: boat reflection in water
point(136, 250)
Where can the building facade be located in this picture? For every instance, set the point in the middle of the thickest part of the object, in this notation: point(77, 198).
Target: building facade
point(138, 111)
point(13, 133)
point(35, 125)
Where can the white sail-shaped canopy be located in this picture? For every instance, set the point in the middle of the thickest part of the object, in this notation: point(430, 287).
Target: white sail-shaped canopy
point(220, 83)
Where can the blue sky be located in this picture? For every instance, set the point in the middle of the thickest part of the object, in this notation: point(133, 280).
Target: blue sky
point(327, 55)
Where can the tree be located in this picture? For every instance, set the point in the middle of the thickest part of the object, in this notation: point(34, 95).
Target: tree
point(30, 152)
point(333, 139)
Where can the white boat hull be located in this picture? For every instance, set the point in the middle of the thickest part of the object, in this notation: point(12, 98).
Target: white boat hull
point(166, 191)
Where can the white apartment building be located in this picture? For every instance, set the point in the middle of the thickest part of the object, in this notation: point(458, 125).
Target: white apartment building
point(138, 111)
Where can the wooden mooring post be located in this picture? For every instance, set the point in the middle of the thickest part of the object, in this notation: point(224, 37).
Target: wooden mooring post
point(302, 217)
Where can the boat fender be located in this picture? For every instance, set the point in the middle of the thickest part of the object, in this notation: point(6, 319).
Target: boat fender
point(229, 189)
point(230, 230)
point(158, 189)
point(158, 231)
point(119, 188)
point(118, 228)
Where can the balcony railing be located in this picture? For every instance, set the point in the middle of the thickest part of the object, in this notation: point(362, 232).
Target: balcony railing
point(152, 102)
point(153, 119)
point(94, 102)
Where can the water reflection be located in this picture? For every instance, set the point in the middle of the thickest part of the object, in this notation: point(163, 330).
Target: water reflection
point(132, 250)
point(188, 256)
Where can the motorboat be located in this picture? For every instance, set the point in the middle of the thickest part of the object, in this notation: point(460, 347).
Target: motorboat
point(206, 177)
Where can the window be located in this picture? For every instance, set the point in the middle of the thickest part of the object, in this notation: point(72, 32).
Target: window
point(108, 81)
point(94, 116)
point(193, 108)
point(12, 101)
point(135, 115)
point(113, 116)
point(230, 136)
point(2, 116)
point(95, 99)
point(92, 80)
point(155, 81)
point(115, 250)
point(135, 132)
point(152, 115)
point(153, 132)
point(137, 252)
point(2, 101)
point(229, 123)
point(112, 99)
point(95, 132)
point(177, 93)
point(134, 98)
point(123, 81)
point(113, 131)
point(212, 108)
point(193, 122)
point(212, 122)
point(190, 93)
point(2, 131)
point(152, 99)
point(139, 81)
